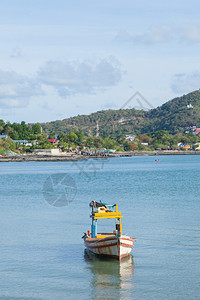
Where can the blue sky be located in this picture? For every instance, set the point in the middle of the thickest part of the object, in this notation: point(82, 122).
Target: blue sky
point(64, 58)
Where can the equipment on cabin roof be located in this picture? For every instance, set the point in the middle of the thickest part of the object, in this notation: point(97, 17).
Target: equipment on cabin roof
point(97, 204)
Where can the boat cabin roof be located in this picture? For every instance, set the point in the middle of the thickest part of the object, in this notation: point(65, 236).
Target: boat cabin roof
point(104, 211)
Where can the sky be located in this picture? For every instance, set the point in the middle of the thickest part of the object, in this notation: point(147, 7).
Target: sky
point(65, 58)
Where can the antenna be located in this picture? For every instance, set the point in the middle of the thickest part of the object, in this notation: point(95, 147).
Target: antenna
point(97, 130)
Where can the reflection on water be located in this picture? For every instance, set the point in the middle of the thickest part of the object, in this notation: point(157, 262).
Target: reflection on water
point(111, 279)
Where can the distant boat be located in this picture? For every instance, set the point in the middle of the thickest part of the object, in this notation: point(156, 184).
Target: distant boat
point(110, 244)
point(157, 159)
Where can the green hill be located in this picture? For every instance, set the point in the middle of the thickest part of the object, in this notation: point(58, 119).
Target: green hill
point(173, 116)
point(111, 122)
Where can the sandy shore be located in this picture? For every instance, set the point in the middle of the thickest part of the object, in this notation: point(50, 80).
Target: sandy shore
point(75, 157)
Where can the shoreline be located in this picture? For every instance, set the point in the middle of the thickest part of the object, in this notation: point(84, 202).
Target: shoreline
point(79, 157)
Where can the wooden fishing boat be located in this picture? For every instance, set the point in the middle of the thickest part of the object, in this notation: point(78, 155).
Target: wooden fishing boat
point(111, 244)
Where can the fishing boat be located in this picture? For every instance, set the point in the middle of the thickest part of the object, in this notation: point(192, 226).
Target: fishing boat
point(111, 244)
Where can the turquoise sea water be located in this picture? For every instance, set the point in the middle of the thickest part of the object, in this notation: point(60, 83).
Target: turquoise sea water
point(41, 250)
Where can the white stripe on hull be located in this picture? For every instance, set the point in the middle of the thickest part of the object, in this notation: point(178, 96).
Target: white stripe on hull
point(110, 246)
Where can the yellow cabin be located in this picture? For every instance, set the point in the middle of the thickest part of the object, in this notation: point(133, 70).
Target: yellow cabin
point(105, 211)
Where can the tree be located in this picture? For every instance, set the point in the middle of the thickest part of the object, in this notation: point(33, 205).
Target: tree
point(109, 143)
point(121, 139)
point(1, 129)
point(144, 138)
point(2, 123)
point(36, 129)
point(90, 142)
point(11, 132)
point(72, 136)
point(127, 147)
point(98, 142)
point(45, 145)
point(64, 146)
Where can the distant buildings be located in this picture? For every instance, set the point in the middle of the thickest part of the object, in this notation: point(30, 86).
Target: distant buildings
point(130, 137)
point(189, 106)
point(197, 147)
point(122, 121)
point(23, 142)
point(186, 146)
point(192, 130)
point(54, 141)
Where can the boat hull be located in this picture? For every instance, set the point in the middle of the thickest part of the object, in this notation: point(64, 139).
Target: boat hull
point(116, 247)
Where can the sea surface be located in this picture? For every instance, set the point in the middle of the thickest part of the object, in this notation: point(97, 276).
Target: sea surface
point(44, 211)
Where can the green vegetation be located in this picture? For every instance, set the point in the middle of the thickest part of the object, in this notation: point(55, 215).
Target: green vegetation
point(173, 116)
point(163, 140)
point(112, 123)
point(7, 144)
point(160, 128)
point(76, 140)
point(21, 131)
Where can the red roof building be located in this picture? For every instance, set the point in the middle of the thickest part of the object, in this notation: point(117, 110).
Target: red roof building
point(54, 141)
point(197, 130)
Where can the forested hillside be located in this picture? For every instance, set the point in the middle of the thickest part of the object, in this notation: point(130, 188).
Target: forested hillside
point(111, 122)
point(174, 116)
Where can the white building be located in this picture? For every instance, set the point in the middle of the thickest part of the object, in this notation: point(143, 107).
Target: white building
point(130, 137)
point(46, 152)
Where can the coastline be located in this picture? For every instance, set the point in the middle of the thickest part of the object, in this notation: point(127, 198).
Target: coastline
point(79, 157)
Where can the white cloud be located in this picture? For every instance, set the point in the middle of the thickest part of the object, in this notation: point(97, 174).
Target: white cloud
point(154, 36)
point(75, 77)
point(16, 90)
point(184, 83)
point(59, 78)
point(162, 34)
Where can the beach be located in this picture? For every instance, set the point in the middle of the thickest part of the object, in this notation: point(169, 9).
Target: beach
point(77, 157)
